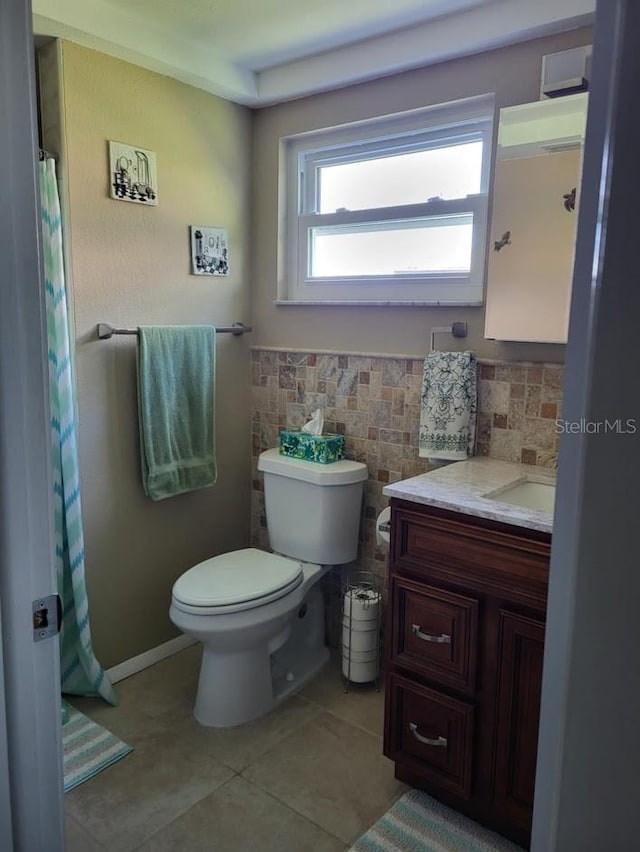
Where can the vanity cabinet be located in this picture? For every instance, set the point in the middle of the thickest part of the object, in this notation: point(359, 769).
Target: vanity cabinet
point(466, 613)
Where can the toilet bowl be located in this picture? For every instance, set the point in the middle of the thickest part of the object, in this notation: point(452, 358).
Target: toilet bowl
point(242, 625)
point(260, 615)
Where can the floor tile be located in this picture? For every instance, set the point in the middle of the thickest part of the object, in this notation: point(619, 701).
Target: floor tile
point(168, 686)
point(362, 705)
point(238, 817)
point(126, 803)
point(327, 685)
point(331, 772)
point(123, 721)
point(77, 839)
point(239, 747)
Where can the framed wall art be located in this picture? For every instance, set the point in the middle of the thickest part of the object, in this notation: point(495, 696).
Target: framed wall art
point(209, 251)
point(133, 174)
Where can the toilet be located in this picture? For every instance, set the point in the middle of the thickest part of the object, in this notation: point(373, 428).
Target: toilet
point(260, 615)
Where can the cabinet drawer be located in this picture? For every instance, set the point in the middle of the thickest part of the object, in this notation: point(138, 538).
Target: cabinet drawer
point(435, 633)
point(441, 547)
point(433, 734)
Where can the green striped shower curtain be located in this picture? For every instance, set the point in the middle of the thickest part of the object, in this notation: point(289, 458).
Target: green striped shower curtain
point(81, 673)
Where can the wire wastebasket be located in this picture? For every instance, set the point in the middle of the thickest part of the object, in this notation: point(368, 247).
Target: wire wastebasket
point(361, 629)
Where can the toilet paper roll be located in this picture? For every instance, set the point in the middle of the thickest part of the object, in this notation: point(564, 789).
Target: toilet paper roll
point(382, 536)
point(361, 604)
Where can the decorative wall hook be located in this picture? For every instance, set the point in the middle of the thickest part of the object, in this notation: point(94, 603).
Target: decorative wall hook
point(505, 240)
point(569, 200)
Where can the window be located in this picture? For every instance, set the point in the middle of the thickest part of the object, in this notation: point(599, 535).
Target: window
point(392, 210)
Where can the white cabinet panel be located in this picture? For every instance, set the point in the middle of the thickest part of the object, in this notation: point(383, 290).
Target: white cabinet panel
point(529, 283)
point(533, 226)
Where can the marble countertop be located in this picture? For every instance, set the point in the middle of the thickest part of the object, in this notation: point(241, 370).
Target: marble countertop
point(463, 487)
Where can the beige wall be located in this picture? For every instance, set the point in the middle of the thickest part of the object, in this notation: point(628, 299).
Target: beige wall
point(513, 73)
point(130, 266)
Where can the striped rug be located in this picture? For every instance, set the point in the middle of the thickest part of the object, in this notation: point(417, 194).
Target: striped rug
point(88, 748)
point(418, 823)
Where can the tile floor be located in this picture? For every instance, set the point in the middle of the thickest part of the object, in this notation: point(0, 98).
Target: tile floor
point(309, 777)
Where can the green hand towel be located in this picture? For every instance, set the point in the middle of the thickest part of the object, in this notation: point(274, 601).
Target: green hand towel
point(176, 377)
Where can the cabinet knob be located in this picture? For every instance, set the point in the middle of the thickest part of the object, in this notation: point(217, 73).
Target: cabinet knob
point(438, 742)
point(442, 639)
point(569, 200)
point(505, 240)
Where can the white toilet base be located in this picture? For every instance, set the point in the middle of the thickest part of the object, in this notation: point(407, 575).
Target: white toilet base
point(284, 688)
point(233, 688)
point(254, 660)
point(304, 653)
point(254, 694)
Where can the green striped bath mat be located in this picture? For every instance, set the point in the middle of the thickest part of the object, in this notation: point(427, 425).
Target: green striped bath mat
point(418, 823)
point(88, 748)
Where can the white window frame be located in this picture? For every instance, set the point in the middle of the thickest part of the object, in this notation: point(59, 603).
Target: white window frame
point(431, 127)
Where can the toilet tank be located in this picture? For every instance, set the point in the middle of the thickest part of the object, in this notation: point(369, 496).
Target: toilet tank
point(313, 510)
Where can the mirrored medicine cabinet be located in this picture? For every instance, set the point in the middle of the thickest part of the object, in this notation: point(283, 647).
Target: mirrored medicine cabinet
point(534, 219)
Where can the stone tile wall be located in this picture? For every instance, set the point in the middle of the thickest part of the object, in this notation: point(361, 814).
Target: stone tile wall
point(374, 401)
point(517, 409)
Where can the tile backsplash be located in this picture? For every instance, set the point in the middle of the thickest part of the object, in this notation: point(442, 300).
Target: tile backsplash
point(375, 402)
point(517, 408)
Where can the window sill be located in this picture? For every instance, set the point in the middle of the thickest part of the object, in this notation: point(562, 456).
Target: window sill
point(381, 303)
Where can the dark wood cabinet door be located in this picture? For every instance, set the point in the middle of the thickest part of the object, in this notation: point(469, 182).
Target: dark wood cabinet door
point(520, 653)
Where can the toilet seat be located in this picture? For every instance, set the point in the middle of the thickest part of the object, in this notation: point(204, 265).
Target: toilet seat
point(236, 581)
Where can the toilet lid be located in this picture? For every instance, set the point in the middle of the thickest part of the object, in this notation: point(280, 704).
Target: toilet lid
point(237, 577)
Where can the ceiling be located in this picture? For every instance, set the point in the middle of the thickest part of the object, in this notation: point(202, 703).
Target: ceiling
point(259, 52)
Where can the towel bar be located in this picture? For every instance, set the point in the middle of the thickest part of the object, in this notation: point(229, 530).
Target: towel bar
point(105, 330)
point(457, 329)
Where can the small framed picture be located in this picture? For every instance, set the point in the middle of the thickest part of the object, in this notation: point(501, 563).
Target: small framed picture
point(133, 174)
point(209, 251)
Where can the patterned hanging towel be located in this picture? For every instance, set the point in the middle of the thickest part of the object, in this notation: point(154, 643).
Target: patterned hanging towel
point(449, 404)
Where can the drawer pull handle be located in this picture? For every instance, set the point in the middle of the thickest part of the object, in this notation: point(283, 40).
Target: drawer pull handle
point(439, 742)
point(442, 639)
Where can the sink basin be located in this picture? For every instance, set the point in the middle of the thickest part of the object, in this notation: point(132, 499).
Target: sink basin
point(529, 494)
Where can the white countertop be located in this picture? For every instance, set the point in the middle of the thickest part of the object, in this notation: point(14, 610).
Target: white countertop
point(463, 487)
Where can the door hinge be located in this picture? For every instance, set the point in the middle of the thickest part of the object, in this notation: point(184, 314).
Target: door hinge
point(47, 617)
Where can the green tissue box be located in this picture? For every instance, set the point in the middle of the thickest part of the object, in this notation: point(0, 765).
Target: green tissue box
point(322, 449)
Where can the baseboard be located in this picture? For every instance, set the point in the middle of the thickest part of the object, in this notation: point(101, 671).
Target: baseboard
point(149, 658)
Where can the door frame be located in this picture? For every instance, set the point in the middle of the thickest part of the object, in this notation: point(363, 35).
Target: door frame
point(31, 798)
point(587, 783)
